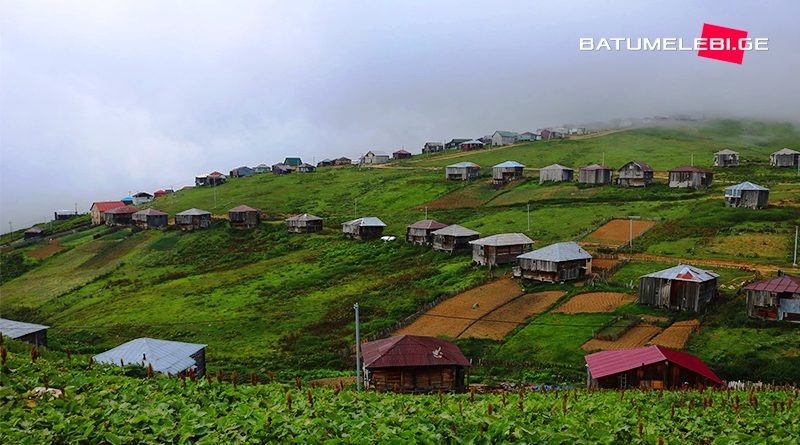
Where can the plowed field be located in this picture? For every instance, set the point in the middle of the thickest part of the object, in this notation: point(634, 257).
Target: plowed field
point(676, 335)
point(595, 302)
point(616, 232)
point(500, 322)
point(53, 247)
point(636, 336)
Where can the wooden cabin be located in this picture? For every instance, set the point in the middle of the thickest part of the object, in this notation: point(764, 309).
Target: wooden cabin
point(500, 138)
point(375, 157)
point(785, 157)
point(35, 334)
point(555, 263)
point(690, 177)
point(454, 238)
point(471, 145)
point(34, 233)
point(262, 168)
point(414, 364)
point(242, 172)
point(213, 179)
point(150, 219)
point(325, 163)
point(293, 162)
point(748, 195)
point(142, 198)
point(726, 158)
point(679, 288)
point(98, 210)
point(462, 171)
point(343, 161)
point(167, 357)
point(120, 216)
point(244, 217)
point(193, 219)
point(454, 143)
point(421, 232)
point(507, 171)
point(281, 169)
point(500, 249)
point(649, 367)
point(635, 174)
point(401, 154)
point(775, 299)
point(369, 227)
point(432, 147)
point(595, 174)
point(555, 173)
point(306, 168)
point(305, 223)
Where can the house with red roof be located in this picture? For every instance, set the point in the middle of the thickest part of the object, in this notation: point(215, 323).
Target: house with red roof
point(412, 363)
point(99, 208)
point(654, 367)
point(682, 287)
point(775, 299)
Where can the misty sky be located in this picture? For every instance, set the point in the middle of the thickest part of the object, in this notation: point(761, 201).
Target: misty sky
point(99, 99)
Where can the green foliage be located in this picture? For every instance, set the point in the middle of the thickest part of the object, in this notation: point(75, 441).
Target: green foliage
point(12, 265)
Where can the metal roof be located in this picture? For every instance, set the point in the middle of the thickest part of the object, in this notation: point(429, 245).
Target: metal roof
point(786, 151)
point(689, 169)
point(411, 350)
point(747, 185)
point(472, 141)
point(377, 153)
point(464, 165)
point(17, 329)
point(683, 272)
point(555, 167)
point(503, 239)
point(104, 206)
point(605, 363)
point(401, 151)
point(596, 167)
point(304, 217)
point(427, 224)
point(244, 208)
point(122, 210)
point(509, 164)
point(455, 230)
point(726, 151)
point(785, 283)
point(142, 194)
point(165, 356)
point(558, 252)
point(369, 221)
point(150, 212)
point(507, 134)
point(193, 212)
point(644, 166)
point(35, 230)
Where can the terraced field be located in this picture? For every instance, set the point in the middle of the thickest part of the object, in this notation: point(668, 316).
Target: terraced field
point(595, 302)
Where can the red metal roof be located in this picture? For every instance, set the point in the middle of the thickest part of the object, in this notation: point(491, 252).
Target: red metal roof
point(607, 363)
point(411, 350)
point(689, 169)
point(104, 206)
point(244, 208)
point(215, 173)
point(122, 210)
point(785, 283)
point(427, 224)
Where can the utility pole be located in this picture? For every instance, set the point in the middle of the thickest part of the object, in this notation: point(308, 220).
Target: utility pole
point(426, 212)
point(529, 217)
point(794, 259)
point(630, 235)
point(355, 208)
point(692, 159)
point(358, 349)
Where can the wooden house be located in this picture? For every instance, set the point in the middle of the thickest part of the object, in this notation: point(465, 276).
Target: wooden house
point(142, 198)
point(726, 158)
point(167, 357)
point(363, 228)
point(649, 367)
point(34, 233)
point(555, 263)
point(678, 288)
point(555, 173)
point(241, 172)
point(414, 364)
point(193, 219)
point(306, 168)
point(292, 162)
point(546, 134)
point(120, 216)
point(244, 217)
point(507, 171)
point(454, 143)
point(785, 157)
point(775, 299)
point(529, 136)
point(325, 163)
point(213, 179)
point(432, 147)
point(262, 168)
point(462, 171)
point(595, 174)
point(342, 161)
point(99, 208)
point(454, 238)
point(690, 177)
point(35, 334)
point(500, 249)
point(500, 138)
point(374, 157)
point(401, 154)
point(60, 215)
point(748, 195)
point(421, 232)
point(305, 223)
point(281, 169)
point(150, 219)
point(471, 145)
point(635, 174)
point(160, 193)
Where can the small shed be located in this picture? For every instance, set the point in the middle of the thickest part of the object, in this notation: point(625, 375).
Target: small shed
point(28, 332)
point(241, 172)
point(375, 157)
point(649, 367)
point(150, 219)
point(401, 154)
point(678, 288)
point(120, 216)
point(306, 168)
point(690, 177)
point(595, 174)
point(500, 249)
point(244, 217)
point(555, 263)
point(305, 223)
point(325, 163)
point(414, 364)
point(343, 161)
point(747, 194)
point(369, 227)
point(775, 299)
point(262, 168)
point(293, 162)
point(432, 147)
point(785, 157)
point(555, 173)
point(454, 238)
point(500, 138)
point(282, 169)
point(474, 144)
point(462, 171)
point(165, 356)
point(635, 174)
point(34, 233)
point(454, 143)
point(421, 232)
point(193, 219)
point(726, 158)
point(507, 171)
point(99, 208)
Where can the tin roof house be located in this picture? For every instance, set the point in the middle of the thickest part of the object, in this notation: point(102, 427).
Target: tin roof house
point(555, 263)
point(281, 169)
point(462, 171)
point(167, 357)
point(454, 143)
point(690, 177)
point(635, 174)
point(555, 173)
point(150, 219)
point(785, 157)
point(120, 216)
point(500, 249)
point(369, 227)
point(473, 144)
point(595, 174)
point(421, 232)
point(141, 198)
point(748, 195)
point(401, 154)
point(34, 233)
point(292, 161)
point(432, 147)
point(304, 223)
point(214, 178)
point(193, 219)
point(726, 158)
point(262, 168)
point(500, 138)
point(375, 157)
point(454, 238)
point(99, 208)
point(244, 217)
point(507, 171)
point(28, 332)
point(306, 168)
point(242, 172)
point(651, 367)
point(775, 299)
point(682, 287)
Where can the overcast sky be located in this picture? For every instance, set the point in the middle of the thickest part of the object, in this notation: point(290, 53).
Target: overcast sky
point(99, 99)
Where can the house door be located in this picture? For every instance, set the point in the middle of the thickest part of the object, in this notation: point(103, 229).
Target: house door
point(675, 294)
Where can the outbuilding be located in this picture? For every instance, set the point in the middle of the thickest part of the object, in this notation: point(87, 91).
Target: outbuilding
point(473, 144)
point(462, 171)
point(555, 173)
point(325, 163)
point(682, 287)
point(282, 169)
point(775, 299)
point(369, 227)
point(28, 332)
point(507, 171)
point(305, 223)
point(454, 238)
point(150, 219)
point(165, 356)
point(306, 168)
point(193, 219)
point(414, 364)
point(34, 233)
point(595, 174)
point(555, 263)
point(120, 216)
point(375, 157)
point(726, 158)
point(748, 195)
point(262, 168)
point(635, 174)
point(454, 143)
point(342, 161)
point(649, 367)
point(421, 232)
point(690, 177)
point(241, 172)
point(432, 147)
point(785, 157)
point(401, 154)
point(500, 249)
point(244, 217)
point(99, 208)
point(60, 215)
point(500, 138)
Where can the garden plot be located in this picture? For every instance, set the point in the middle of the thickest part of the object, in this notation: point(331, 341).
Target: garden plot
point(595, 302)
point(676, 335)
point(617, 232)
point(603, 263)
point(500, 322)
point(53, 247)
point(636, 336)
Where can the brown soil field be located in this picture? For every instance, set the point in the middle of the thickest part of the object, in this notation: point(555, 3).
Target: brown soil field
point(500, 322)
point(469, 196)
point(602, 263)
point(467, 307)
point(616, 232)
point(676, 335)
point(53, 247)
point(653, 318)
point(636, 336)
point(595, 302)
point(332, 381)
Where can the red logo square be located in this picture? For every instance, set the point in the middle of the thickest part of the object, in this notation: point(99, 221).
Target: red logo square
point(730, 51)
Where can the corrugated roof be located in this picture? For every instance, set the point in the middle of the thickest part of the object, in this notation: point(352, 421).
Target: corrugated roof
point(150, 212)
point(786, 151)
point(605, 363)
point(555, 167)
point(193, 212)
point(726, 151)
point(689, 169)
point(304, 217)
point(377, 153)
point(784, 283)
point(463, 165)
point(503, 239)
point(427, 224)
point(104, 206)
point(165, 356)
point(142, 195)
point(507, 134)
point(747, 185)
point(402, 152)
point(244, 208)
point(509, 164)
point(596, 167)
point(17, 329)
point(456, 230)
point(644, 166)
point(216, 174)
point(123, 210)
point(369, 221)
point(411, 350)
point(35, 230)
point(683, 272)
point(473, 141)
point(568, 251)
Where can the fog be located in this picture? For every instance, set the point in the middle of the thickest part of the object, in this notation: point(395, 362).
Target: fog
point(100, 99)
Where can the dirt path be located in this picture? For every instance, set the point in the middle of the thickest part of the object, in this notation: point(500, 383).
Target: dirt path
point(732, 264)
